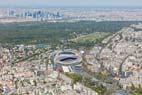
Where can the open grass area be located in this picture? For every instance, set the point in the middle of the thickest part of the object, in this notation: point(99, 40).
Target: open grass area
point(93, 37)
point(89, 40)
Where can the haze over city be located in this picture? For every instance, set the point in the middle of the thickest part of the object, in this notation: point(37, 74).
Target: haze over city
point(67, 3)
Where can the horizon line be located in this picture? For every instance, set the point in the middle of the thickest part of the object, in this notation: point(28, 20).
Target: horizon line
point(49, 6)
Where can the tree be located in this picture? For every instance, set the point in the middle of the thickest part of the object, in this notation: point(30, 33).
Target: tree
point(133, 87)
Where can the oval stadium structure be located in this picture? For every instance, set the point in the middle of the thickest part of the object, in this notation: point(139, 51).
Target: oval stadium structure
point(67, 57)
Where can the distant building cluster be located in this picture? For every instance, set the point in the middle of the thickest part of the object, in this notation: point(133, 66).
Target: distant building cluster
point(36, 15)
point(69, 14)
point(22, 15)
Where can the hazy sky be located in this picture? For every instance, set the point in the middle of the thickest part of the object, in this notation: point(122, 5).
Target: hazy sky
point(70, 3)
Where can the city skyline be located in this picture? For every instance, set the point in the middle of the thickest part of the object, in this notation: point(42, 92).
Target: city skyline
point(73, 3)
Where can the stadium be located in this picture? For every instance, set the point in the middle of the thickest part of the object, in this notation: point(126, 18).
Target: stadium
point(68, 58)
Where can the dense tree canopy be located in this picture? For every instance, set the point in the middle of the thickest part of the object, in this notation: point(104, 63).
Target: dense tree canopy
point(45, 32)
